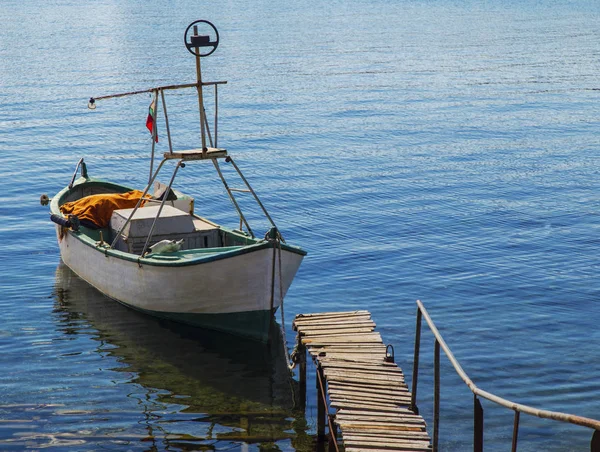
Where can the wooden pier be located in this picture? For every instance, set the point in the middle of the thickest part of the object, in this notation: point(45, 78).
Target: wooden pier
point(365, 387)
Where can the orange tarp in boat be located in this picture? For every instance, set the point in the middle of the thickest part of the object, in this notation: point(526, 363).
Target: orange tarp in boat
point(99, 208)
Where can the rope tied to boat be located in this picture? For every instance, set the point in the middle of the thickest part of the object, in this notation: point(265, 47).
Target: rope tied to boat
point(273, 236)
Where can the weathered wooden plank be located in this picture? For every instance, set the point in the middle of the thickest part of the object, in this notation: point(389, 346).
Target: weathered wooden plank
point(408, 434)
point(398, 396)
point(395, 419)
point(358, 357)
point(345, 329)
point(375, 449)
point(345, 324)
point(385, 442)
point(348, 353)
point(385, 409)
point(382, 410)
point(369, 391)
point(391, 438)
point(343, 402)
point(371, 382)
point(334, 363)
point(393, 444)
point(338, 331)
point(315, 323)
point(366, 398)
point(360, 412)
point(298, 322)
point(319, 323)
point(329, 350)
point(359, 426)
point(373, 347)
point(364, 338)
point(399, 411)
point(400, 418)
point(331, 314)
point(373, 356)
point(354, 373)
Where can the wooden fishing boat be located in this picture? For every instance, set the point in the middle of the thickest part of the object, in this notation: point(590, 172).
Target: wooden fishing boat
point(153, 253)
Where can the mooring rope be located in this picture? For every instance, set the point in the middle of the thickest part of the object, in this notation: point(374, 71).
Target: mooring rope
point(290, 363)
point(276, 240)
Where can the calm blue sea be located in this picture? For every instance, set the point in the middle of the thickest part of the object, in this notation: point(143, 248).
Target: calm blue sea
point(442, 150)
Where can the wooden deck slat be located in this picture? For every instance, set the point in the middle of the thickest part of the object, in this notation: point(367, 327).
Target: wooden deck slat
point(333, 317)
point(353, 403)
point(375, 449)
point(396, 419)
point(352, 373)
point(408, 434)
point(369, 394)
point(365, 386)
point(401, 400)
point(331, 314)
point(329, 325)
point(363, 338)
point(363, 357)
point(332, 363)
point(339, 331)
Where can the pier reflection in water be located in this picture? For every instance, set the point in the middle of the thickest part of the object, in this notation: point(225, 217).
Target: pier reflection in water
point(200, 389)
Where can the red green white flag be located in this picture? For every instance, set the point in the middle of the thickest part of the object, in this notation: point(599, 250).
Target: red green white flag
point(150, 120)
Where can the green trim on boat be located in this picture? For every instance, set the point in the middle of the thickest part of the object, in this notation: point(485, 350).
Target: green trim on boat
point(182, 258)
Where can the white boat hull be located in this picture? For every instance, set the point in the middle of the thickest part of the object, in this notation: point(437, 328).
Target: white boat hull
point(221, 293)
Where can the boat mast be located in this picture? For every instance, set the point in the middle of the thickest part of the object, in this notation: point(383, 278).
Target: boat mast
point(196, 40)
point(194, 46)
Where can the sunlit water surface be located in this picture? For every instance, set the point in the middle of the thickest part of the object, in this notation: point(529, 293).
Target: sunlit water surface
point(446, 151)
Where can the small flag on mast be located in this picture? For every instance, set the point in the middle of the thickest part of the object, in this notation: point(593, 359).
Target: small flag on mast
point(150, 120)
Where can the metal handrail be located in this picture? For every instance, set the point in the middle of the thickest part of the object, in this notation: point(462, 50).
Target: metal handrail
point(516, 407)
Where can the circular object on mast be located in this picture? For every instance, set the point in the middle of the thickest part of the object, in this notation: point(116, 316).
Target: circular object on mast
point(196, 41)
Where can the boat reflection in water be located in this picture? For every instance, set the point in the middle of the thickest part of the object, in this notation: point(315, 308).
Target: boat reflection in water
point(240, 389)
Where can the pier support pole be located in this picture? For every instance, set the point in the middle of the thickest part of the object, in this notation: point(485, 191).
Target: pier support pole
point(302, 372)
point(321, 401)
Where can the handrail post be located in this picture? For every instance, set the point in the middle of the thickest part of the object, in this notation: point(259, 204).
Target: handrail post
point(595, 443)
point(477, 425)
point(436, 396)
point(415, 373)
point(515, 431)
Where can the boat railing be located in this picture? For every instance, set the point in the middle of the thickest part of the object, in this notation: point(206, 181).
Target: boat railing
point(478, 393)
point(84, 173)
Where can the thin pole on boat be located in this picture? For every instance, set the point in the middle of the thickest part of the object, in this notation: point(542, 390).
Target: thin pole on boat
point(216, 113)
point(162, 96)
point(151, 90)
point(230, 160)
point(180, 164)
point(137, 206)
point(153, 134)
point(207, 129)
point(200, 99)
point(235, 204)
